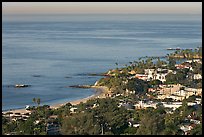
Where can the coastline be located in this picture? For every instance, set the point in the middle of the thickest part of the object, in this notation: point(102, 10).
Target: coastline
point(101, 92)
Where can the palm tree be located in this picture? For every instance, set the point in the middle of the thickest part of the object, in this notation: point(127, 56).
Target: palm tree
point(34, 100)
point(116, 65)
point(38, 101)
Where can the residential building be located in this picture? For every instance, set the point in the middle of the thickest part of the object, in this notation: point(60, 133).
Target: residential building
point(141, 76)
point(197, 76)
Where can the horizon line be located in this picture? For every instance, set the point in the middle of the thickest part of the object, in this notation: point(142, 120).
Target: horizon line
point(102, 13)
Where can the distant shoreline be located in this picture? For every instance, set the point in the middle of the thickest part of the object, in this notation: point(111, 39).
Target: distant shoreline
point(100, 93)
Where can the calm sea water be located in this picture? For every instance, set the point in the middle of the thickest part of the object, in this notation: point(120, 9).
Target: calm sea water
point(56, 47)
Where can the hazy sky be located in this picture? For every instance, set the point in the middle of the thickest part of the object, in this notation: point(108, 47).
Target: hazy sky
point(101, 7)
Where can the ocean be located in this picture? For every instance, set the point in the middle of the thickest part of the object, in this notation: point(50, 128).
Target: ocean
point(53, 52)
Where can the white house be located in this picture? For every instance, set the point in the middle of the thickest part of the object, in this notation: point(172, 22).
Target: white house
point(176, 97)
point(181, 93)
point(173, 105)
point(197, 76)
point(151, 74)
point(194, 60)
point(195, 121)
point(198, 100)
point(142, 105)
point(194, 91)
point(159, 74)
point(73, 109)
point(186, 128)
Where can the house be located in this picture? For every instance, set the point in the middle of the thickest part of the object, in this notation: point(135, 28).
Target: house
point(186, 93)
point(176, 97)
point(198, 100)
point(197, 76)
point(173, 105)
point(132, 72)
point(53, 116)
point(194, 91)
point(73, 109)
point(181, 93)
point(129, 91)
point(143, 105)
point(162, 96)
point(194, 60)
point(195, 121)
point(191, 103)
point(36, 122)
point(151, 89)
point(141, 76)
point(159, 74)
point(132, 123)
point(186, 128)
point(150, 74)
point(95, 105)
point(169, 89)
point(182, 66)
point(27, 107)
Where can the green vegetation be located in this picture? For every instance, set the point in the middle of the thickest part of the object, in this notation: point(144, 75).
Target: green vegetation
point(106, 118)
point(119, 84)
point(187, 53)
point(29, 126)
point(196, 130)
point(36, 100)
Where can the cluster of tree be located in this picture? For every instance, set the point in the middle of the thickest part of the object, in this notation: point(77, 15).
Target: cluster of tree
point(179, 77)
point(120, 84)
point(197, 67)
point(187, 53)
point(106, 118)
point(149, 63)
point(121, 81)
point(28, 127)
point(184, 77)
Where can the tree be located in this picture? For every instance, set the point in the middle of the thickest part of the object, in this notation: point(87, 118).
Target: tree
point(116, 65)
point(191, 98)
point(130, 131)
point(172, 63)
point(34, 100)
point(149, 63)
point(155, 83)
point(38, 101)
point(197, 130)
point(138, 85)
point(151, 124)
point(171, 129)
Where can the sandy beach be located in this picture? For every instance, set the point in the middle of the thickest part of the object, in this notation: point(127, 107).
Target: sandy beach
point(101, 91)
